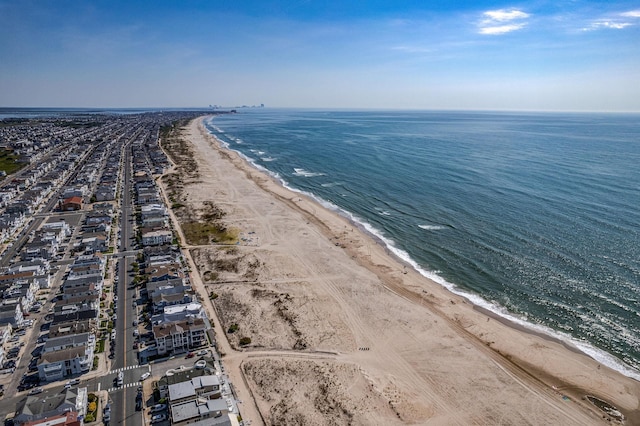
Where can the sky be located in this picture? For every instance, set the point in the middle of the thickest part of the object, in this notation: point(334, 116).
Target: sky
point(540, 55)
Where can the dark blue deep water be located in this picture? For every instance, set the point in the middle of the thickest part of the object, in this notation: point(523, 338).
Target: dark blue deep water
point(533, 215)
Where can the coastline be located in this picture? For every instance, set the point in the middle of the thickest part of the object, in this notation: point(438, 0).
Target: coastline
point(549, 368)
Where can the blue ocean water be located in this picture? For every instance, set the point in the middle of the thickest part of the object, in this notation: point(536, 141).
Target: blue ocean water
point(533, 215)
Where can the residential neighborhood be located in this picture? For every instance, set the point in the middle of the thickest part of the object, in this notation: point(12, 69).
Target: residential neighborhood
point(98, 318)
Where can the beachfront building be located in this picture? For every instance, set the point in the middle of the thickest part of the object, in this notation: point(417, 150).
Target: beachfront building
point(157, 237)
point(180, 336)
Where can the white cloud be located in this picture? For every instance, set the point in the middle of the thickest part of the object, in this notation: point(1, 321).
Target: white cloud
point(502, 29)
point(502, 21)
point(607, 24)
point(502, 15)
point(614, 23)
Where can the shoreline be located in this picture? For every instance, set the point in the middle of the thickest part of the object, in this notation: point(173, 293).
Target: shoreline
point(487, 308)
point(552, 363)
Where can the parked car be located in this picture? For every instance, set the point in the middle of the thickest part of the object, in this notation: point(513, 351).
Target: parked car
point(158, 407)
point(190, 355)
point(145, 376)
point(202, 352)
point(35, 391)
point(73, 382)
point(158, 418)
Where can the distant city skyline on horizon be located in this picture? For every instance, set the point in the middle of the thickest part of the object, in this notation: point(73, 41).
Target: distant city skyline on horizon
point(581, 56)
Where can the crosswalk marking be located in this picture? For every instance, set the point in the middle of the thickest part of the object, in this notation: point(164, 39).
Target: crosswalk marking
point(130, 367)
point(126, 385)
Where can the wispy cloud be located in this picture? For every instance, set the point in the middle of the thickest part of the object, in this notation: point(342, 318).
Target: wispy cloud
point(617, 23)
point(502, 21)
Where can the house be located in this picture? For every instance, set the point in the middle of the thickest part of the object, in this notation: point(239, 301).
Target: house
point(51, 404)
point(180, 336)
point(176, 313)
point(170, 296)
point(202, 412)
point(157, 237)
point(59, 226)
point(205, 386)
point(11, 313)
point(71, 204)
point(169, 271)
point(194, 396)
point(184, 374)
point(5, 333)
point(69, 418)
point(71, 328)
point(58, 364)
point(95, 242)
point(39, 249)
point(68, 341)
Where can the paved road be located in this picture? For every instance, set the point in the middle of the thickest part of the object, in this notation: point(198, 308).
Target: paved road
point(126, 360)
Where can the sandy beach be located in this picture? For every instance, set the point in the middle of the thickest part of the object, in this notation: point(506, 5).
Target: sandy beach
point(341, 332)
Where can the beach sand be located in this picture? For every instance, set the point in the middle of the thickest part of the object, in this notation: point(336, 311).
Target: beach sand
point(343, 333)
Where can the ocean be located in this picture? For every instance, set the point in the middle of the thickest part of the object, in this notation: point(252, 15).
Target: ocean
point(534, 216)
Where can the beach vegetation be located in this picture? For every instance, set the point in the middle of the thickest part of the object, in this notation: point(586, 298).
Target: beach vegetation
point(198, 233)
point(233, 328)
point(9, 162)
point(244, 341)
point(210, 276)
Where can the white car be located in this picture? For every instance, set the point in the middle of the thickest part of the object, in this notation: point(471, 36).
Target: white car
point(202, 352)
point(35, 391)
point(158, 407)
point(145, 376)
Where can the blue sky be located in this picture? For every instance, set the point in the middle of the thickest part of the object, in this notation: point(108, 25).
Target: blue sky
point(536, 55)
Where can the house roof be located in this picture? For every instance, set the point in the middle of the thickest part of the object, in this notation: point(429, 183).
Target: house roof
point(73, 200)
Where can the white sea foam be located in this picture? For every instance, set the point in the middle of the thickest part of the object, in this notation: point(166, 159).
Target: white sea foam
point(268, 159)
point(304, 173)
point(432, 227)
